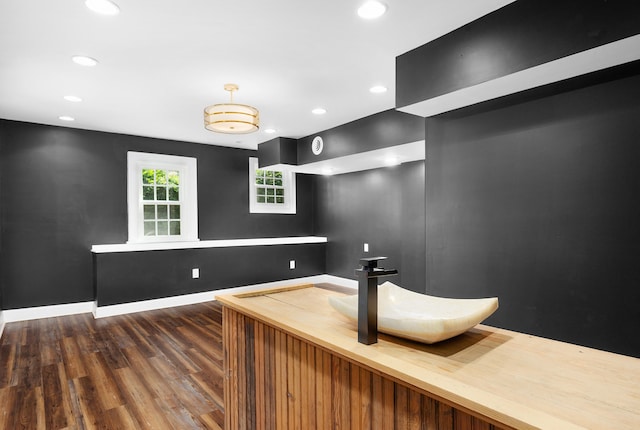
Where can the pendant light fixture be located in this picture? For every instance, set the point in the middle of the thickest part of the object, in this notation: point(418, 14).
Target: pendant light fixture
point(231, 118)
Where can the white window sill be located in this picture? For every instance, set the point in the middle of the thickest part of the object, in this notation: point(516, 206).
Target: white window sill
point(132, 247)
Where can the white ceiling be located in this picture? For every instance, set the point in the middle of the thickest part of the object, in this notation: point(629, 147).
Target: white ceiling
point(162, 62)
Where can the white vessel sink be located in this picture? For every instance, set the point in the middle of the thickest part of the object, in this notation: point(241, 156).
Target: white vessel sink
point(419, 317)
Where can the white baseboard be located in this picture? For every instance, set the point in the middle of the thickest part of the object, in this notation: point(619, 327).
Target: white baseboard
point(38, 312)
point(343, 282)
point(26, 314)
point(1, 323)
point(190, 299)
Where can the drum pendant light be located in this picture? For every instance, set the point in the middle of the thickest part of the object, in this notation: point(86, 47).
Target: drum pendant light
point(231, 118)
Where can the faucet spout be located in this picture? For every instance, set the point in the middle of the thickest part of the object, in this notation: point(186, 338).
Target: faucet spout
point(368, 275)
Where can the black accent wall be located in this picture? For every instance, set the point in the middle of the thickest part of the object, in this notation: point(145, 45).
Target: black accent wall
point(63, 190)
point(536, 202)
point(134, 276)
point(382, 207)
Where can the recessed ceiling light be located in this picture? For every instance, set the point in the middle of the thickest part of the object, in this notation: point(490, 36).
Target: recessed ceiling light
point(103, 7)
point(270, 130)
point(84, 61)
point(74, 99)
point(378, 89)
point(66, 118)
point(319, 111)
point(372, 9)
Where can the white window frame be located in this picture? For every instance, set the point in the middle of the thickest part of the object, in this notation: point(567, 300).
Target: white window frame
point(188, 170)
point(289, 184)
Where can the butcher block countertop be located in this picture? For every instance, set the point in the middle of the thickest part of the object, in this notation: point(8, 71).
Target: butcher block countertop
point(518, 380)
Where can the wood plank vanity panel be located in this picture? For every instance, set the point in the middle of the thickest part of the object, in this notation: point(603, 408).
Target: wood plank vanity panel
point(293, 362)
point(347, 397)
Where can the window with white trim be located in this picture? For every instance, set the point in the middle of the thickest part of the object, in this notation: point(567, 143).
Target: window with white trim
point(271, 190)
point(162, 197)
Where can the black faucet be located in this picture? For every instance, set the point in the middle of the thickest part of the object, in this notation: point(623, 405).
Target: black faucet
point(368, 275)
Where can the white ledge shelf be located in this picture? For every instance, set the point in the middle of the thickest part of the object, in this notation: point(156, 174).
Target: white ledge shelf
point(224, 243)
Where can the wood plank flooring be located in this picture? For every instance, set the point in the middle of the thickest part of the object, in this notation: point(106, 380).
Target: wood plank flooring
point(150, 370)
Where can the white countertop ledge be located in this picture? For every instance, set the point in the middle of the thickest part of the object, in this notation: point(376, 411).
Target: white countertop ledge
point(223, 243)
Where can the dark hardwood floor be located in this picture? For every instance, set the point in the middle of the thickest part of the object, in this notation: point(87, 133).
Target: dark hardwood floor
point(150, 370)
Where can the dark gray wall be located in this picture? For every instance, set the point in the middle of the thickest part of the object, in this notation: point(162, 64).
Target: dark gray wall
point(133, 276)
point(537, 203)
point(382, 207)
point(63, 190)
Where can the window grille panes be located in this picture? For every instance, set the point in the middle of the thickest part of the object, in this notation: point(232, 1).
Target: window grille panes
point(269, 187)
point(161, 202)
point(270, 190)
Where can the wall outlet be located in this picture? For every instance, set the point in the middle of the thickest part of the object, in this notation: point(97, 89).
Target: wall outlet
point(366, 247)
point(195, 273)
point(292, 264)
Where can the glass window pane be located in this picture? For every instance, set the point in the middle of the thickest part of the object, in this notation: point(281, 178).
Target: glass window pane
point(278, 182)
point(149, 228)
point(163, 228)
point(147, 176)
point(163, 212)
point(280, 192)
point(147, 193)
point(260, 181)
point(174, 194)
point(271, 192)
point(262, 191)
point(173, 177)
point(174, 211)
point(149, 211)
point(260, 199)
point(279, 199)
point(161, 193)
point(269, 181)
point(270, 199)
point(161, 177)
point(269, 174)
point(259, 173)
point(175, 228)
point(277, 174)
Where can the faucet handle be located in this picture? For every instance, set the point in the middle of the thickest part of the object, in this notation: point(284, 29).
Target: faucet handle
point(370, 263)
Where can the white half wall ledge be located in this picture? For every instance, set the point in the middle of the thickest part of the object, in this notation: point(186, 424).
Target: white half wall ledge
point(599, 58)
point(222, 243)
